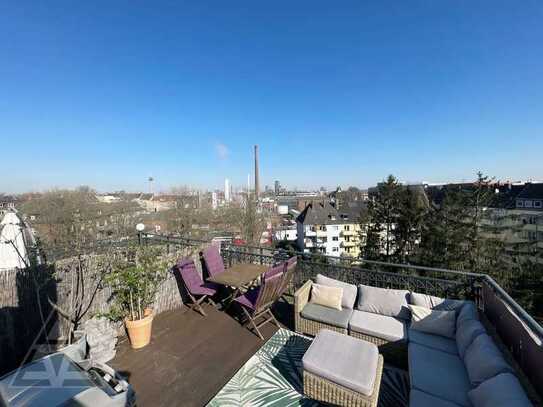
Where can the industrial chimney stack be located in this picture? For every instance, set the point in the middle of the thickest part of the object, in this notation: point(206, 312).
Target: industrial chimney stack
point(257, 180)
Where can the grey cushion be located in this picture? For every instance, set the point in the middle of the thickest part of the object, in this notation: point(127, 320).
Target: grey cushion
point(437, 303)
point(420, 399)
point(349, 290)
point(503, 390)
point(388, 328)
point(433, 341)
point(327, 315)
point(484, 360)
point(438, 373)
point(339, 358)
point(466, 332)
point(384, 301)
point(467, 312)
point(433, 321)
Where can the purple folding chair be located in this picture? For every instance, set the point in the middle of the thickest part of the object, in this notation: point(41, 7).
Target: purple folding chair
point(257, 302)
point(195, 286)
point(291, 264)
point(213, 260)
point(273, 270)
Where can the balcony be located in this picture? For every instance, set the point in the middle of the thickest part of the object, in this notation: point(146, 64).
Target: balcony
point(490, 298)
point(350, 243)
point(349, 233)
point(194, 360)
point(322, 233)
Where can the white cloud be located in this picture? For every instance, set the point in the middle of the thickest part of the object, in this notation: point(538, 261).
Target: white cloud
point(222, 151)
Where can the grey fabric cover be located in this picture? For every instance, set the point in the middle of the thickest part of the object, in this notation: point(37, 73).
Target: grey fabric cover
point(503, 390)
point(484, 360)
point(327, 315)
point(381, 326)
point(383, 301)
point(349, 290)
point(420, 399)
point(437, 303)
point(433, 341)
point(343, 359)
point(438, 373)
point(433, 321)
point(466, 332)
point(467, 312)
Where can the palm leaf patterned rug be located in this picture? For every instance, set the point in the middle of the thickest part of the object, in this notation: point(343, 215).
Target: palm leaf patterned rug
point(273, 377)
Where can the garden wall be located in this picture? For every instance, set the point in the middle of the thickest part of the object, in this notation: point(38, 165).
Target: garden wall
point(75, 285)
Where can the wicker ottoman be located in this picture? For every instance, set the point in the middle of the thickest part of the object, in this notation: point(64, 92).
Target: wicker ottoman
point(342, 370)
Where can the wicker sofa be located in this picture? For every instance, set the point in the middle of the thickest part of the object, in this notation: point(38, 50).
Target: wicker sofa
point(388, 332)
point(465, 370)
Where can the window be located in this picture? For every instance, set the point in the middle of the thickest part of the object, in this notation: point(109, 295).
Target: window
point(347, 227)
point(537, 204)
point(520, 204)
point(335, 227)
point(527, 204)
point(335, 238)
point(335, 249)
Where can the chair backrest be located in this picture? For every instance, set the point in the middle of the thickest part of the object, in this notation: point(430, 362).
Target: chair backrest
point(289, 274)
point(273, 270)
point(268, 292)
point(189, 274)
point(292, 262)
point(213, 260)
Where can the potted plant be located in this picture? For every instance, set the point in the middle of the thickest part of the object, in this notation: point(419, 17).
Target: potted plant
point(134, 286)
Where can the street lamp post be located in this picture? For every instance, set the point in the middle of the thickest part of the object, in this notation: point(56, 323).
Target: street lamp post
point(140, 227)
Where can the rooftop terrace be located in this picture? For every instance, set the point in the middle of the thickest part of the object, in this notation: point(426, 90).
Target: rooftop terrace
point(191, 357)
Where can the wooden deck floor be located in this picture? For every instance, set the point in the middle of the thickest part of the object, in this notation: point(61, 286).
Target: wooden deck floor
point(190, 357)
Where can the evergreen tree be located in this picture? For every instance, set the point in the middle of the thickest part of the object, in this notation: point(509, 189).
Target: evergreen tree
point(380, 221)
point(411, 214)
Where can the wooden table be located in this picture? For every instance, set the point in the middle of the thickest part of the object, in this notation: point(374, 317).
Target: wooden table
point(238, 276)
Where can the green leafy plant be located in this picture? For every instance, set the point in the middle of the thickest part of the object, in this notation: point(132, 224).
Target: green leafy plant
point(135, 282)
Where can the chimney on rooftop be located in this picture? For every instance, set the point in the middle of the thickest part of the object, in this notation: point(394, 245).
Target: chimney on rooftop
point(257, 180)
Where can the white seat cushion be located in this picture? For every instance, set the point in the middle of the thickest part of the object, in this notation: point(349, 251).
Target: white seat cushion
point(338, 358)
point(327, 315)
point(381, 326)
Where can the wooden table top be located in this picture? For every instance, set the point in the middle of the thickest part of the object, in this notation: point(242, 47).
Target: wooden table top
point(239, 275)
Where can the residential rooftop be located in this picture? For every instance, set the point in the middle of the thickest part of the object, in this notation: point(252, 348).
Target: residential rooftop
point(192, 358)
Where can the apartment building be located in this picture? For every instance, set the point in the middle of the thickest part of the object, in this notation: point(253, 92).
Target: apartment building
point(323, 229)
point(517, 217)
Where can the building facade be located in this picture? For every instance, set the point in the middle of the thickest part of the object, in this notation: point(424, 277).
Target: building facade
point(323, 229)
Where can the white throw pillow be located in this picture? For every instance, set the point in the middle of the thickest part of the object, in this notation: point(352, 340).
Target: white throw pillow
point(326, 296)
point(441, 323)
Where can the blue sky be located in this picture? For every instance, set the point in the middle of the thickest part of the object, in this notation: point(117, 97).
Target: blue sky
point(106, 93)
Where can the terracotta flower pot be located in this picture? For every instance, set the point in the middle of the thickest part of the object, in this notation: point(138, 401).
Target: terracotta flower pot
point(139, 331)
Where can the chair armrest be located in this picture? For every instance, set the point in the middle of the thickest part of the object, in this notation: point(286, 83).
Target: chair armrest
point(301, 297)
